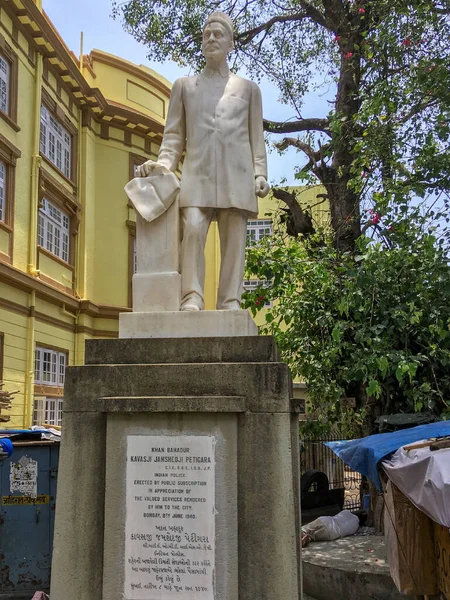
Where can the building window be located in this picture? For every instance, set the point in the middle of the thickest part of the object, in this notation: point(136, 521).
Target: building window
point(55, 142)
point(47, 410)
point(8, 84)
point(3, 190)
point(253, 284)
point(8, 159)
point(49, 372)
point(2, 349)
point(58, 220)
point(49, 366)
point(135, 161)
point(54, 230)
point(5, 85)
point(258, 229)
point(132, 258)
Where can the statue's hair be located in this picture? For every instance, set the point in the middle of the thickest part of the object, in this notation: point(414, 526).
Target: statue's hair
point(223, 19)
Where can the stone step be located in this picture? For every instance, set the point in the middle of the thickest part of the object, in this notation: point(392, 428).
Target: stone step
point(351, 568)
point(186, 350)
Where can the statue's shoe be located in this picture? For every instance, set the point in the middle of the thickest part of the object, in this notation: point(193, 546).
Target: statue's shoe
point(189, 307)
point(230, 306)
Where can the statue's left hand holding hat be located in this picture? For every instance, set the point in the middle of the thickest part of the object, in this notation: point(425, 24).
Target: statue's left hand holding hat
point(151, 196)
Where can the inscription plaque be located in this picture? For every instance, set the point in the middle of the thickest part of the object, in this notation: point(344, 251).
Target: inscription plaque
point(170, 509)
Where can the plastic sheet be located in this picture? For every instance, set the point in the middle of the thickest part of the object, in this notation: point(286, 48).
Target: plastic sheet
point(363, 455)
point(424, 477)
point(49, 433)
point(326, 529)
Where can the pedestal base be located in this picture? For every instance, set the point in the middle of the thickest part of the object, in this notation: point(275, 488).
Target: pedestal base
point(171, 426)
point(203, 323)
point(160, 291)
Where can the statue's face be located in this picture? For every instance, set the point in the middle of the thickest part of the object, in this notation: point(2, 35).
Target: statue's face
point(216, 42)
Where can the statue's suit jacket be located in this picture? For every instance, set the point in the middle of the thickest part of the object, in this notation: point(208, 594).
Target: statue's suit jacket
point(216, 117)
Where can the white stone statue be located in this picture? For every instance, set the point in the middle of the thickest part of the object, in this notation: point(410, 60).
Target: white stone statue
point(216, 118)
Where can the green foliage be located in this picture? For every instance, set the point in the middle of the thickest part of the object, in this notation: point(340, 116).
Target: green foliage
point(363, 309)
point(384, 64)
point(373, 326)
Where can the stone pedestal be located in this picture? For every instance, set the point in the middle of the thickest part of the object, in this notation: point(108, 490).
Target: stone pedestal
point(176, 324)
point(157, 281)
point(231, 395)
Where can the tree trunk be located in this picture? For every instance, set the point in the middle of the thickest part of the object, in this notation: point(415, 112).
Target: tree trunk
point(344, 212)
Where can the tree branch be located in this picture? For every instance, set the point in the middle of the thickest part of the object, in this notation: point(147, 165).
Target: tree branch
point(313, 155)
point(415, 110)
point(246, 37)
point(310, 12)
point(298, 221)
point(300, 145)
point(314, 14)
point(294, 126)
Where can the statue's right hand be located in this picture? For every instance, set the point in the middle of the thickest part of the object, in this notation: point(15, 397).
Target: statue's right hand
point(149, 168)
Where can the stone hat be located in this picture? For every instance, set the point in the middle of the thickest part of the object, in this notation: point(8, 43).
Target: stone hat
point(223, 19)
point(151, 196)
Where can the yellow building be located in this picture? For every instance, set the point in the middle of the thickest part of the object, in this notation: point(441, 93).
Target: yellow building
point(262, 227)
point(71, 133)
point(70, 136)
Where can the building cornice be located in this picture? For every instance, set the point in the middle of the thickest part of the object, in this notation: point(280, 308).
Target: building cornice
point(101, 311)
point(126, 66)
point(38, 29)
point(27, 283)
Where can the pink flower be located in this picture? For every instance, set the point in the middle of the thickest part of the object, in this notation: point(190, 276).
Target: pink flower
point(406, 42)
point(361, 10)
point(337, 38)
point(259, 300)
point(375, 219)
point(348, 55)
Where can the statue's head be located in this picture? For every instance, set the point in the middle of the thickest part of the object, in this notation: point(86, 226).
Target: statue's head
point(218, 36)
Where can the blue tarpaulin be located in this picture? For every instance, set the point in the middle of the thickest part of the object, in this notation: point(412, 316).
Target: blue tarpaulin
point(363, 455)
point(11, 432)
point(6, 446)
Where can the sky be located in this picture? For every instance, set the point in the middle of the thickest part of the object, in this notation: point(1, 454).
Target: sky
point(100, 31)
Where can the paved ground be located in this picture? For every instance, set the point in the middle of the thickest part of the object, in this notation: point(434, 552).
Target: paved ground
point(355, 553)
point(351, 568)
